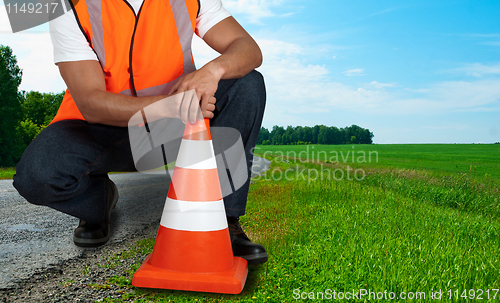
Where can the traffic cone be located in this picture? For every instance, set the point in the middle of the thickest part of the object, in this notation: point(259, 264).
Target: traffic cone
point(193, 249)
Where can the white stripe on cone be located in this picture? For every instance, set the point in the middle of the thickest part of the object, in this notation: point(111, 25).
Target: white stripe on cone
point(196, 154)
point(194, 216)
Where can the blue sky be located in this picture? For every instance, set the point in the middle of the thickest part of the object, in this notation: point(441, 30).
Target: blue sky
point(410, 71)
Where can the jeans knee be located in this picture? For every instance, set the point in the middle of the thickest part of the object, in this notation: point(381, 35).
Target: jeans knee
point(254, 85)
point(28, 189)
point(34, 184)
point(255, 80)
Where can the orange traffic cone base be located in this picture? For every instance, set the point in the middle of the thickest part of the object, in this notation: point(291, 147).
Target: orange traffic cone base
point(228, 282)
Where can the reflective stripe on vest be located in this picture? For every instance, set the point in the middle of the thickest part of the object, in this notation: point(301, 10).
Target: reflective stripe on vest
point(97, 30)
point(141, 54)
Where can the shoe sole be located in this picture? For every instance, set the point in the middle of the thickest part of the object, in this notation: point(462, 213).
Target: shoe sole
point(90, 242)
point(82, 242)
point(255, 259)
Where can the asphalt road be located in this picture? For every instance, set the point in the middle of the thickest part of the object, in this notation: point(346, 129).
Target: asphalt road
point(34, 238)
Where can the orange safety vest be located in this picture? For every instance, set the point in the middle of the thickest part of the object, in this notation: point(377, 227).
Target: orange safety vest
point(140, 56)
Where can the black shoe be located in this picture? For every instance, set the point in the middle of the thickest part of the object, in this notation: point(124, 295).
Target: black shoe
point(94, 235)
point(242, 246)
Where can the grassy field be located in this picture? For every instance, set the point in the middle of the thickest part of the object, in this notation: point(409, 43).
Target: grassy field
point(7, 173)
point(481, 159)
point(413, 226)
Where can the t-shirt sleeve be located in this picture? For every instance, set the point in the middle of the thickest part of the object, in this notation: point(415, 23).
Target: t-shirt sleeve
point(68, 40)
point(211, 13)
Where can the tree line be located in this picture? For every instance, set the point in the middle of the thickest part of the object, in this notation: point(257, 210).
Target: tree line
point(318, 134)
point(22, 114)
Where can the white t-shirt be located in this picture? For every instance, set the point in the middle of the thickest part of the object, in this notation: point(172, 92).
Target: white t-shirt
point(71, 45)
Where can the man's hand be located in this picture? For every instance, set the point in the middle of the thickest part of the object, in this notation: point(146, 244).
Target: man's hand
point(204, 81)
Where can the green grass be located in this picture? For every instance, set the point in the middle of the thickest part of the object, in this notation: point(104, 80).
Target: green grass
point(481, 159)
point(7, 172)
point(397, 230)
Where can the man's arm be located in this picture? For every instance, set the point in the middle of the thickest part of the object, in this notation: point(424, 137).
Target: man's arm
point(240, 52)
point(86, 84)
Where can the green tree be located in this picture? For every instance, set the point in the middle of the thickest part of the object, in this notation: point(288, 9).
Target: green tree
point(335, 136)
point(343, 136)
point(315, 134)
point(28, 130)
point(307, 134)
point(366, 137)
point(263, 135)
point(318, 134)
point(33, 106)
point(38, 111)
point(41, 108)
point(363, 135)
point(11, 145)
point(323, 135)
point(288, 135)
point(277, 135)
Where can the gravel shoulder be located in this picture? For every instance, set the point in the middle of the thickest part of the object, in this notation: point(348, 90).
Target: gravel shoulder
point(37, 238)
point(81, 279)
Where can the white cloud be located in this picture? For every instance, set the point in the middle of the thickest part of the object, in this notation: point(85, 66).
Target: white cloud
point(296, 88)
point(382, 85)
point(478, 69)
point(418, 90)
point(274, 50)
point(467, 95)
point(446, 97)
point(34, 53)
point(35, 57)
point(354, 72)
point(4, 21)
point(254, 10)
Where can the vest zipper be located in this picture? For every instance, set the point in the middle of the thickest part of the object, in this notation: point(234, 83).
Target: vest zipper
point(134, 92)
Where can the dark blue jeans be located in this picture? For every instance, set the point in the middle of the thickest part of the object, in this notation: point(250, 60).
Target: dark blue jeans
point(66, 165)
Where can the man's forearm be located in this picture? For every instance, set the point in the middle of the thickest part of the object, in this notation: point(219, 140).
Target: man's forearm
point(87, 86)
point(113, 109)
